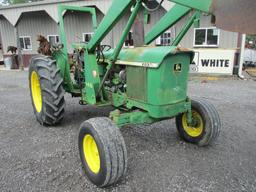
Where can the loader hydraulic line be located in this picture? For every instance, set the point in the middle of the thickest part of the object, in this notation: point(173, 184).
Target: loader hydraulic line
point(120, 44)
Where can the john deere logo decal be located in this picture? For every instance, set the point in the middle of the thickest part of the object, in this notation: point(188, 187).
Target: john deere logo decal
point(177, 67)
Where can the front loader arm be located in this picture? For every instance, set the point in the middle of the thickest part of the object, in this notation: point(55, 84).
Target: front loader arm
point(115, 13)
point(236, 15)
point(201, 5)
point(166, 22)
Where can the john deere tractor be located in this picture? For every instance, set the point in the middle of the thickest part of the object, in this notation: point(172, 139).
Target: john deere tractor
point(144, 84)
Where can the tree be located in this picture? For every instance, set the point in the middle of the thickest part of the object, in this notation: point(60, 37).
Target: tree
point(251, 41)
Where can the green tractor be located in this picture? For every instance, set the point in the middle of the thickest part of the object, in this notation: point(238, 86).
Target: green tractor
point(145, 85)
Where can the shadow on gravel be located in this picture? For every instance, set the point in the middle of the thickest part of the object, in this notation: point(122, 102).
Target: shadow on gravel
point(80, 114)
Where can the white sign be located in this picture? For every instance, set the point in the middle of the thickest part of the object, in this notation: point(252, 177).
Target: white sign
point(217, 61)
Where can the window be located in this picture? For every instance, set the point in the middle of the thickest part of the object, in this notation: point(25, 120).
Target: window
point(25, 43)
point(206, 37)
point(165, 39)
point(87, 37)
point(53, 39)
point(129, 40)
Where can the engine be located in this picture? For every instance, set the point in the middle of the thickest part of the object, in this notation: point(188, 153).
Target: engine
point(117, 80)
point(78, 67)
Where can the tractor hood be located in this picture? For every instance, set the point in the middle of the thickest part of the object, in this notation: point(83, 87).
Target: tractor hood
point(150, 57)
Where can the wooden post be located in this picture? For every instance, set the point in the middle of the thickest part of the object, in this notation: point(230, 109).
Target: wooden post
point(241, 60)
point(138, 30)
point(20, 59)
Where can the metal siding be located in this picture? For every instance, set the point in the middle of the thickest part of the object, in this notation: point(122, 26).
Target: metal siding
point(13, 13)
point(187, 41)
point(154, 18)
point(76, 24)
point(228, 40)
point(7, 32)
point(118, 29)
point(35, 23)
point(167, 5)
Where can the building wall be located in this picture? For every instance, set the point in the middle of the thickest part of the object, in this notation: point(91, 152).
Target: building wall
point(33, 24)
point(154, 18)
point(1, 50)
point(7, 33)
point(39, 22)
point(77, 23)
point(0, 41)
point(228, 40)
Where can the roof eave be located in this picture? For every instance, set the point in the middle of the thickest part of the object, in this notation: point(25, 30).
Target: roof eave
point(45, 2)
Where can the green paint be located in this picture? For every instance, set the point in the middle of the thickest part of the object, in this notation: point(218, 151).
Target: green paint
point(137, 90)
point(201, 5)
point(160, 112)
point(194, 19)
point(120, 43)
point(145, 55)
point(136, 117)
point(159, 90)
point(166, 22)
point(115, 13)
point(156, 77)
point(92, 79)
point(146, 16)
point(61, 56)
point(118, 99)
point(63, 65)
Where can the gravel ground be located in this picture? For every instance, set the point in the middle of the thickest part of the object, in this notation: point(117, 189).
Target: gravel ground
point(35, 158)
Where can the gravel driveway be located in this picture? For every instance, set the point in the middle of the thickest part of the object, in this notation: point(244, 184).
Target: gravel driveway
point(35, 158)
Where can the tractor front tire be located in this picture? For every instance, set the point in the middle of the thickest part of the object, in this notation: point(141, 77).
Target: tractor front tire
point(102, 151)
point(46, 90)
point(206, 124)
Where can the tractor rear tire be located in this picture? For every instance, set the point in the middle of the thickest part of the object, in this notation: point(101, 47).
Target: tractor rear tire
point(206, 128)
point(102, 151)
point(46, 90)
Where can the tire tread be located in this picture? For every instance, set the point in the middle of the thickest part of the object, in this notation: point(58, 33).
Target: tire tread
point(52, 90)
point(214, 122)
point(116, 153)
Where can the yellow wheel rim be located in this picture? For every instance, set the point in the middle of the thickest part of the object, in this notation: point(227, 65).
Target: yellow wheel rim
point(36, 92)
point(91, 153)
point(197, 129)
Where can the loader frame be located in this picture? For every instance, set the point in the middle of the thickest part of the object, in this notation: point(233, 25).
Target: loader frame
point(96, 73)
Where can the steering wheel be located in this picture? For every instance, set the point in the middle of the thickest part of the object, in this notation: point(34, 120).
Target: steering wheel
point(105, 47)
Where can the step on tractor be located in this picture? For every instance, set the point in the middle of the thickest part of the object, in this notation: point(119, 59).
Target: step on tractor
point(144, 84)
